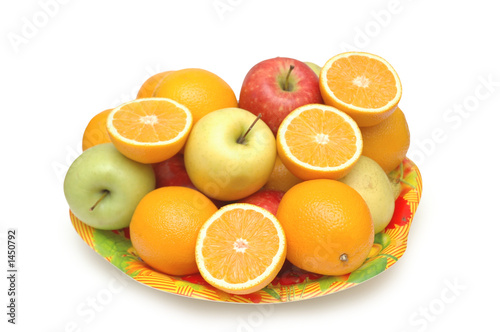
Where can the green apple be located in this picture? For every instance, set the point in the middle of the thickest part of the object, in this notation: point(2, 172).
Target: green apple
point(372, 183)
point(314, 67)
point(230, 154)
point(103, 187)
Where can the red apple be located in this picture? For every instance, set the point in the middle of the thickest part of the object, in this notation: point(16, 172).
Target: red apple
point(267, 199)
point(172, 172)
point(277, 86)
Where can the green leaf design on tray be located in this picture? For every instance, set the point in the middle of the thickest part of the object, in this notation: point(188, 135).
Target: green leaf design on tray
point(383, 239)
point(272, 292)
point(107, 243)
point(368, 270)
point(186, 283)
point(114, 247)
point(121, 262)
point(411, 180)
point(326, 282)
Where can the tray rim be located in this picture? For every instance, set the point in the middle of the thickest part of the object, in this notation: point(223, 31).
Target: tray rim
point(410, 194)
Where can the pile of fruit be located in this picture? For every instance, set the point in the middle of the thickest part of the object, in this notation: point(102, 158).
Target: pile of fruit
point(295, 169)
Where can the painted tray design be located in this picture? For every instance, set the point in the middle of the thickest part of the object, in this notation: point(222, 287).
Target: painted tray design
point(292, 283)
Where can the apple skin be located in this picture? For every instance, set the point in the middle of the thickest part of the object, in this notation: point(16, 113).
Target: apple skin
point(172, 172)
point(316, 68)
point(103, 168)
point(218, 165)
point(263, 89)
point(267, 199)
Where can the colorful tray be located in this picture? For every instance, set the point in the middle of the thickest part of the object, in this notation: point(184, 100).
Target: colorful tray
point(292, 283)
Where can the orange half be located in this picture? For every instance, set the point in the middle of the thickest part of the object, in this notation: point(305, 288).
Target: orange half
point(363, 85)
point(149, 130)
point(241, 248)
point(318, 141)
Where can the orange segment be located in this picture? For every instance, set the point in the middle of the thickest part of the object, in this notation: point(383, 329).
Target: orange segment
point(241, 248)
point(363, 85)
point(318, 141)
point(149, 130)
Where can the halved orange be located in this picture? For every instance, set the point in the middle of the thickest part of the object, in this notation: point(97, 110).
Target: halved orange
point(363, 85)
point(149, 130)
point(241, 248)
point(318, 141)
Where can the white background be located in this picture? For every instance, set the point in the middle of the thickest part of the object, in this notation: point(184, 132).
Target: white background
point(82, 57)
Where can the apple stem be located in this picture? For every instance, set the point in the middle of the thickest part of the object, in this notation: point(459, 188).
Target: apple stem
point(241, 140)
point(105, 193)
point(287, 77)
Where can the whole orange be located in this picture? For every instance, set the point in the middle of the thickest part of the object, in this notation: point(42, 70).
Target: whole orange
point(95, 133)
point(388, 141)
point(149, 86)
point(165, 226)
point(199, 90)
point(328, 227)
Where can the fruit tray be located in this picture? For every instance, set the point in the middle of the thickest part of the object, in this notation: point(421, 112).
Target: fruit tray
point(292, 283)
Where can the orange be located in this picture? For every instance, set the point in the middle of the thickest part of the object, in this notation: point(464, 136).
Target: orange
point(319, 141)
point(363, 85)
point(148, 87)
point(388, 141)
point(165, 225)
point(95, 133)
point(199, 90)
point(328, 227)
point(241, 248)
point(281, 179)
point(149, 130)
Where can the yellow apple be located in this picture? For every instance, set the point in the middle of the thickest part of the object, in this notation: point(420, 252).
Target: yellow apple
point(224, 159)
